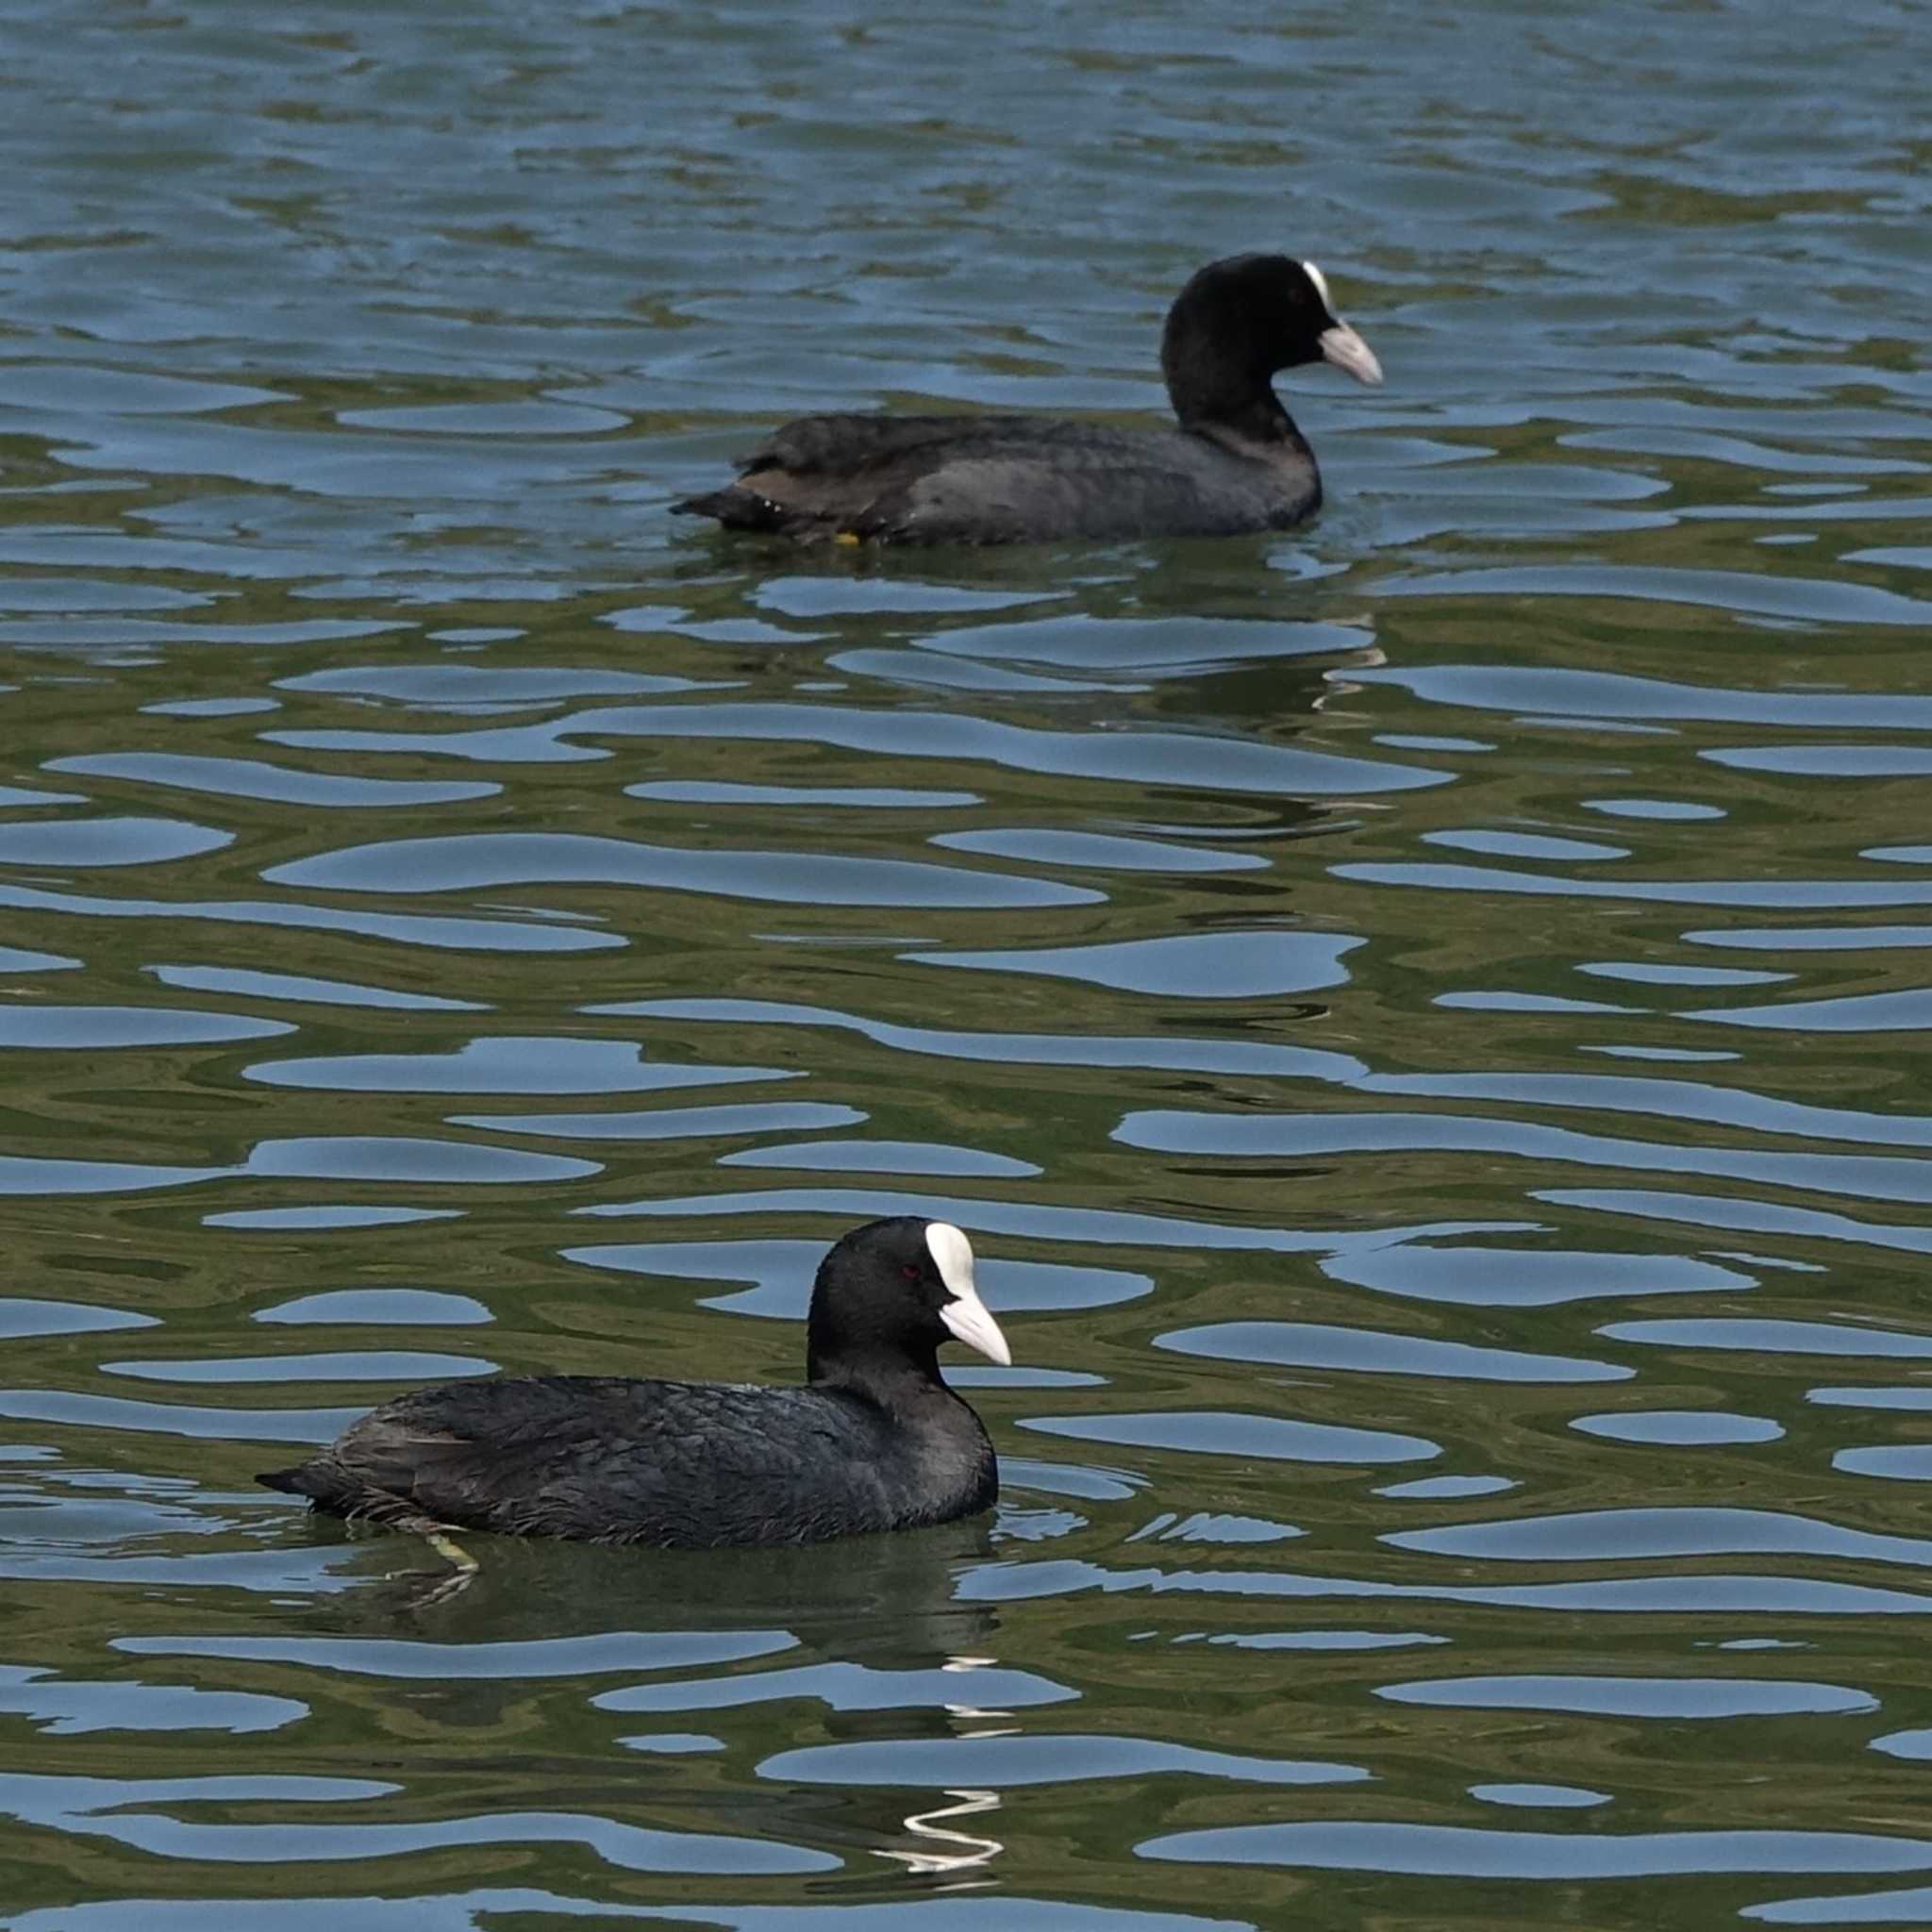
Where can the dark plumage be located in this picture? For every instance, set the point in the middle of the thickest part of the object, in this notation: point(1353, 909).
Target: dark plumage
point(874, 1441)
point(1236, 462)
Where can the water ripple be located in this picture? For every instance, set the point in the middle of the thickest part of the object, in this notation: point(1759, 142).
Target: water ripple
point(105, 1808)
point(254, 778)
point(1447, 1851)
point(468, 860)
point(1207, 763)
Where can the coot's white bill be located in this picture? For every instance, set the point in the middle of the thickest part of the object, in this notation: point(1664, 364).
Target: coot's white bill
point(1341, 346)
point(969, 1318)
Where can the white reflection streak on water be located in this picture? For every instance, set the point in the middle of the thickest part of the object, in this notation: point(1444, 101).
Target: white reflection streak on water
point(963, 1850)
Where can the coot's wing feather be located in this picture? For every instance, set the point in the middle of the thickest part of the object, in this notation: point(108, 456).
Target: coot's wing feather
point(849, 444)
point(1101, 491)
point(823, 476)
point(994, 479)
point(607, 1459)
point(811, 477)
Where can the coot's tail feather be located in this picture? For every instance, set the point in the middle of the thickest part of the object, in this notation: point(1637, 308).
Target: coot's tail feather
point(333, 1489)
point(736, 509)
point(323, 1483)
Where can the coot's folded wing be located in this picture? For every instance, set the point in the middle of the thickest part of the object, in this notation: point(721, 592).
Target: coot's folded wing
point(1098, 491)
point(856, 475)
point(846, 444)
point(600, 1458)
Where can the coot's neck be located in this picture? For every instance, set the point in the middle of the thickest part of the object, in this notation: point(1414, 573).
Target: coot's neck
point(1218, 366)
point(897, 1378)
point(1258, 430)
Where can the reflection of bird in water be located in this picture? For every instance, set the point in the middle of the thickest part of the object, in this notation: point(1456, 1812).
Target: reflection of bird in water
point(642, 1647)
point(894, 1610)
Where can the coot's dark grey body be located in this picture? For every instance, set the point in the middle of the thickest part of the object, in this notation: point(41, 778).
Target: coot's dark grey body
point(1236, 462)
point(875, 1441)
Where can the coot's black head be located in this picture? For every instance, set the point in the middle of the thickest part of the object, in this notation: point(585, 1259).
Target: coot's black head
point(1239, 320)
point(888, 1295)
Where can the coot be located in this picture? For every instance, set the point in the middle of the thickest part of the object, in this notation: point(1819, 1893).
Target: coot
point(874, 1441)
point(1235, 463)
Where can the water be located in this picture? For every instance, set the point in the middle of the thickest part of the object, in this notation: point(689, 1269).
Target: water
point(1420, 1016)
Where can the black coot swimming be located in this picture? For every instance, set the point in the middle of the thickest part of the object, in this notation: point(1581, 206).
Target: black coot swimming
point(1235, 463)
point(874, 1441)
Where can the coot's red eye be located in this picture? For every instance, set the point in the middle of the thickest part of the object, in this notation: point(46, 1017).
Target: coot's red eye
point(910, 1271)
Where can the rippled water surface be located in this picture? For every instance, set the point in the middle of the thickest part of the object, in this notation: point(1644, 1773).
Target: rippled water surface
point(1424, 1017)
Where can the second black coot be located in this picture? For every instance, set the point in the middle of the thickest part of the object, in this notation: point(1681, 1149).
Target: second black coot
point(873, 1440)
point(1234, 462)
